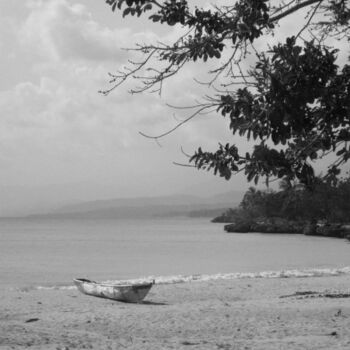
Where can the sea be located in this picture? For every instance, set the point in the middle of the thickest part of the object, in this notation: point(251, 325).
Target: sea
point(50, 253)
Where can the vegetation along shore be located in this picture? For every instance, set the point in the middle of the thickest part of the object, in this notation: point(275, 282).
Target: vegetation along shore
point(324, 211)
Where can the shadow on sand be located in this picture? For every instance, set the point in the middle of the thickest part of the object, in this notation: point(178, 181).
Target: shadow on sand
point(152, 303)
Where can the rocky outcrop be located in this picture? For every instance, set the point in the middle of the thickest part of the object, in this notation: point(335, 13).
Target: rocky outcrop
point(278, 225)
point(326, 230)
point(309, 229)
point(347, 232)
point(331, 230)
point(241, 227)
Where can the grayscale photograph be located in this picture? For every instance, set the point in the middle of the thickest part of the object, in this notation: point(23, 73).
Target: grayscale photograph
point(175, 174)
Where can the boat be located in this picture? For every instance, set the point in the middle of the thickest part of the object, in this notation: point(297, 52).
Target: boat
point(129, 292)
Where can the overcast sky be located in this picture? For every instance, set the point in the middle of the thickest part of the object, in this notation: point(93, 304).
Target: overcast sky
point(61, 141)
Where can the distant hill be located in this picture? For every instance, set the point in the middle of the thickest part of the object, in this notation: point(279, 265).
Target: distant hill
point(145, 207)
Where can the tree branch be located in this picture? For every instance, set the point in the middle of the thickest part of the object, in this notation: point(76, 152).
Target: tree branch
point(309, 20)
point(199, 111)
point(293, 9)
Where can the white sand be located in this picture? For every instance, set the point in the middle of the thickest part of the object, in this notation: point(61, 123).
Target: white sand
point(234, 314)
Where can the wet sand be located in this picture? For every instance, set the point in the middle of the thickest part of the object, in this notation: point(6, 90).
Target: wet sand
point(282, 313)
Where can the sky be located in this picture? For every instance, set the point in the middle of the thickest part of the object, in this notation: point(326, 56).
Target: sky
point(63, 142)
point(60, 140)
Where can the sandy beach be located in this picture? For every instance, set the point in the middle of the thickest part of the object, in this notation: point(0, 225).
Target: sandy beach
point(282, 313)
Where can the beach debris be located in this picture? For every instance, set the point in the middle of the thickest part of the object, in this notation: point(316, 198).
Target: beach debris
point(298, 294)
point(310, 294)
point(336, 295)
point(224, 346)
point(339, 313)
point(225, 302)
point(186, 342)
point(125, 346)
point(31, 320)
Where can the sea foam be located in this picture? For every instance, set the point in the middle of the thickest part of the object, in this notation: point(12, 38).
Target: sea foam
point(303, 273)
point(297, 273)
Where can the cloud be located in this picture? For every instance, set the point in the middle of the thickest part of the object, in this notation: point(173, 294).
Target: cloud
point(56, 128)
point(62, 30)
point(60, 114)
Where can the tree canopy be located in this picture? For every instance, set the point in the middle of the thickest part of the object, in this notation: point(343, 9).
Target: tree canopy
point(293, 100)
point(294, 202)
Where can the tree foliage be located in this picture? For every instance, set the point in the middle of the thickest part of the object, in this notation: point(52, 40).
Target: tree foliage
point(295, 202)
point(293, 101)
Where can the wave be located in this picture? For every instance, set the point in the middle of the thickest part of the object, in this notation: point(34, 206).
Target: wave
point(297, 273)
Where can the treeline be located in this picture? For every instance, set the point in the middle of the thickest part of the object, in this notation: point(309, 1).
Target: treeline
point(292, 209)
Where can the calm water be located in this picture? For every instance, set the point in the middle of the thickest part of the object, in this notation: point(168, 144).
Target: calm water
point(53, 252)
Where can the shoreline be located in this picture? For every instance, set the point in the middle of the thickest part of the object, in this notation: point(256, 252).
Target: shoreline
point(180, 279)
point(254, 313)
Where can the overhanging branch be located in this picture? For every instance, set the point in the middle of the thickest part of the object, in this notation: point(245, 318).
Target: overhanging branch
point(293, 9)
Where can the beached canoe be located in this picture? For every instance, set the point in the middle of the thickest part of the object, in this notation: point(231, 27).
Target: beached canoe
point(130, 293)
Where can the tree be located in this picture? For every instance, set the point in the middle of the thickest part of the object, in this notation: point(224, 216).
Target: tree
point(257, 203)
point(293, 102)
point(292, 195)
point(295, 202)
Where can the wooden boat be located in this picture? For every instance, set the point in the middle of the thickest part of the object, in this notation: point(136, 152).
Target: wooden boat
point(129, 293)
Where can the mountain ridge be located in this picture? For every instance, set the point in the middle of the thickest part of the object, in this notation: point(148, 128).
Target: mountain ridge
point(160, 206)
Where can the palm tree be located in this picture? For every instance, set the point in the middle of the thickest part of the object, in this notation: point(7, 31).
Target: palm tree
point(292, 198)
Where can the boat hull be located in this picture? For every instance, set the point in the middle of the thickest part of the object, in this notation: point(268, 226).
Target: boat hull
point(133, 293)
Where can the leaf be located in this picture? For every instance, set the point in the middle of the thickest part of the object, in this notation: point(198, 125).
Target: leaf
point(217, 54)
point(155, 18)
point(256, 179)
point(250, 176)
point(126, 11)
point(32, 320)
point(147, 7)
point(340, 152)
